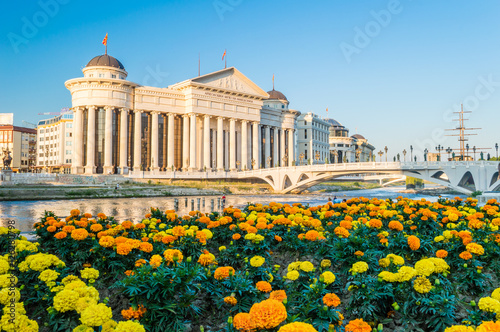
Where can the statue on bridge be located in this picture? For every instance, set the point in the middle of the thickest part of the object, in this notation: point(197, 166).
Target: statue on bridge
point(7, 159)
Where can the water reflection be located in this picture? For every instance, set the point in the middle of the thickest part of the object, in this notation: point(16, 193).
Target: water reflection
point(26, 213)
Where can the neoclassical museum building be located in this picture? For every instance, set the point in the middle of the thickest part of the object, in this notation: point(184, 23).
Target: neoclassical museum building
point(216, 122)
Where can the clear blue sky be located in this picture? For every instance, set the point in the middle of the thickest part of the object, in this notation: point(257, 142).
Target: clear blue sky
point(392, 78)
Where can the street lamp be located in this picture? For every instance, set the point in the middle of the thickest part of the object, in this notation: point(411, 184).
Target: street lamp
point(269, 162)
point(253, 163)
point(380, 153)
point(449, 150)
point(474, 150)
point(439, 148)
point(316, 156)
point(285, 160)
point(496, 148)
point(386, 153)
point(238, 165)
point(358, 153)
point(301, 157)
point(467, 148)
point(425, 154)
point(404, 155)
point(411, 152)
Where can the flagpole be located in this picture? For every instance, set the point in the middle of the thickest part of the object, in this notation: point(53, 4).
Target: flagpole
point(225, 62)
point(199, 61)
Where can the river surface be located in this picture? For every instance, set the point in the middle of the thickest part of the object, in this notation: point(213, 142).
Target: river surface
point(26, 213)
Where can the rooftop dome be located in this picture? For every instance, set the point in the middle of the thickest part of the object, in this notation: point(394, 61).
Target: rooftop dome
point(334, 123)
point(274, 94)
point(105, 60)
point(358, 136)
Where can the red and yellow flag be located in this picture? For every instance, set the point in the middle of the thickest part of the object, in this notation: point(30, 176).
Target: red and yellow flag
point(105, 40)
point(223, 55)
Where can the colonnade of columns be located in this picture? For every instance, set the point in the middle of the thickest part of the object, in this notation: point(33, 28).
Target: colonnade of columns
point(205, 144)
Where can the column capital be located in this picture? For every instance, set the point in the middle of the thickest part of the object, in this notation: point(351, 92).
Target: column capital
point(207, 116)
point(138, 111)
point(244, 121)
point(154, 112)
point(124, 109)
point(257, 123)
point(232, 120)
point(92, 107)
point(107, 107)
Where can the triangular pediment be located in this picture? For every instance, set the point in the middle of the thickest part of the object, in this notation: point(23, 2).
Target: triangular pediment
point(231, 79)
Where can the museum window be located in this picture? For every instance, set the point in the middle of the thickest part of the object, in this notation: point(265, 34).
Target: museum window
point(113, 76)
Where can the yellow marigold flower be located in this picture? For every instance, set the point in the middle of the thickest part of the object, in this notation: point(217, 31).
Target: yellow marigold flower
point(69, 279)
point(331, 299)
point(66, 300)
point(327, 277)
point(230, 300)
point(422, 285)
point(155, 261)
point(18, 323)
point(268, 314)
point(129, 326)
point(496, 294)
point(440, 265)
point(293, 275)
point(48, 275)
point(257, 261)
point(439, 238)
point(96, 314)
point(395, 259)
point(425, 267)
point(358, 325)
point(307, 266)
point(83, 328)
point(264, 286)
point(413, 242)
point(206, 259)
point(89, 273)
point(489, 304)
point(359, 267)
point(384, 262)
point(279, 295)
point(388, 276)
point(173, 255)
point(297, 327)
point(405, 273)
point(460, 328)
point(79, 234)
point(326, 263)
point(83, 302)
point(475, 248)
point(243, 322)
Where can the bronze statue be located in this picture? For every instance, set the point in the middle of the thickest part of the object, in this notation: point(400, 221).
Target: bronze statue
point(7, 159)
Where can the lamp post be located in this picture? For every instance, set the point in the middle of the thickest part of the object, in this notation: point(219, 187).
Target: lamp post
point(269, 162)
point(253, 163)
point(404, 155)
point(358, 153)
point(496, 148)
point(238, 165)
point(411, 152)
point(474, 151)
point(301, 157)
point(285, 160)
point(439, 148)
point(467, 148)
point(385, 149)
point(316, 156)
point(449, 150)
point(425, 154)
point(380, 153)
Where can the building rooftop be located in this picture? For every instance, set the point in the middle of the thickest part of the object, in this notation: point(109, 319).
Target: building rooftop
point(106, 61)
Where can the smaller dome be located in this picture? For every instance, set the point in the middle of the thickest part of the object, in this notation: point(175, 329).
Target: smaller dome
point(106, 61)
point(334, 123)
point(358, 136)
point(274, 94)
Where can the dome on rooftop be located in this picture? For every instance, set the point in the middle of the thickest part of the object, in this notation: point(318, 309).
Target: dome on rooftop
point(358, 136)
point(274, 94)
point(106, 61)
point(334, 123)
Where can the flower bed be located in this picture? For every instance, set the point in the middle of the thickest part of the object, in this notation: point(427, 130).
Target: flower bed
point(354, 266)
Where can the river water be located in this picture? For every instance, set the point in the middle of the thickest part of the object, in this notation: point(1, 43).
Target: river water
point(26, 213)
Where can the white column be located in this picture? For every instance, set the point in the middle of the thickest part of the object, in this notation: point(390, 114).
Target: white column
point(206, 143)
point(137, 140)
point(220, 143)
point(185, 142)
point(282, 148)
point(154, 141)
point(256, 144)
point(77, 160)
point(108, 141)
point(291, 146)
point(90, 167)
point(276, 156)
point(267, 145)
point(124, 141)
point(232, 144)
point(244, 145)
point(170, 142)
point(192, 141)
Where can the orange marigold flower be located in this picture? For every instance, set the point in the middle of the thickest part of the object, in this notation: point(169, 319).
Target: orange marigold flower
point(396, 225)
point(206, 258)
point(121, 239)
point(475, 248)
point(79, 234)
point(278, 238)
point(96, 228)
point(312, 235)
point(236, 236)
point(60, 235)
point(123, 249)
point(359, 253)
point(127, 224)
point(168, 239)
point(413, 227)
point(223, 272)
point(268, 314)
point(331, 299)
point(358, 325)
point(178, 231)
point(341, 232)
point(465, 255)
point(146, 247)
point(264, 286)
point(278, 295)
point(68, 229)
point(374, 223)
point(488, 326)
point(346, 224)
point(173, 255)
point(75, 212)
point(243, 322)
point(441, 253)
point(413, 242)
point(128, 273)
point(102, 216)
point(155, 261)
point(107, 241)
point(140, 262)
point(140, 226)
point(230, 300)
